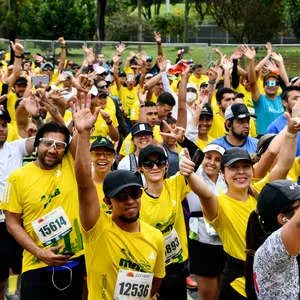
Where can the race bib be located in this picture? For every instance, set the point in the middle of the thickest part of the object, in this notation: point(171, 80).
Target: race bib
point(133, 285)
point(52, 227)
point(172, 246)
point(2, 216)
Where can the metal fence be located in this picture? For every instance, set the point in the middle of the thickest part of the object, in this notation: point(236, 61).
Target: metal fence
point(199, 52)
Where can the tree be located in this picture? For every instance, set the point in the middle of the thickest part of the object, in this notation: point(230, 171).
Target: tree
point(101, 7)
point(293, 9)
point(251, 21)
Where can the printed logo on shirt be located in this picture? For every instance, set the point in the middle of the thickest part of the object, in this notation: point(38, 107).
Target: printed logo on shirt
point(48, 198)
point(6, 192)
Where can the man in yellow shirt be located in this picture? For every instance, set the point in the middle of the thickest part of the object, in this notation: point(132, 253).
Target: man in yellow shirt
point(132, 260)
point(197, 77)
point(41, 209)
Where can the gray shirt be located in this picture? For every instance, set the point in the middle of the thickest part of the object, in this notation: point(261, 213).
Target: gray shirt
point(276, 274)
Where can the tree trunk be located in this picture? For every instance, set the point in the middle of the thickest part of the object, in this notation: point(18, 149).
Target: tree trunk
point(100, 30)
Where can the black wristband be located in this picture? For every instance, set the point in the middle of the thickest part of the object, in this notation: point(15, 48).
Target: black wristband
point(63, 47)
point(159, 43)
point(211, 81)
point(109, 123)
point(19, 56)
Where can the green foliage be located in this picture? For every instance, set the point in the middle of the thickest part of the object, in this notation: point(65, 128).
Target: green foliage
point(249, 21)
point(171, 24)
point(294, 16)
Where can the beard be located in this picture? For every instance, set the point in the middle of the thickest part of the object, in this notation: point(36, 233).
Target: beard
point(129, 220)
point(46, 164)
point(239, 136)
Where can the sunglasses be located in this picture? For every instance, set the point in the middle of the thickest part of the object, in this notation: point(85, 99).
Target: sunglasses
point(149, 164)
point(132, 193)
point(48, 143)
point(106, 154)
point(272, 83)
point(101, 87)
point(143, 134)
point(47, 69)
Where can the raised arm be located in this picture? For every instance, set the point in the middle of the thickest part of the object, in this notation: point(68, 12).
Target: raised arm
point(89, 208)
point(17, 67)
point(63, 53)
point(280, 63)
point(251, 54)
point(157, 38)
point(208, 199)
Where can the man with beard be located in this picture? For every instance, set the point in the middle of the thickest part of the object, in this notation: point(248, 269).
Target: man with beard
point(290, 96)
point(12, 154)
point(41, 209)
point(130, 260)
point(237, 119)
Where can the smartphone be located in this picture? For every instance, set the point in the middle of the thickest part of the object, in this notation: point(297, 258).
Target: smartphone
point(37, 80)
point(197, 158)
point(68, 253)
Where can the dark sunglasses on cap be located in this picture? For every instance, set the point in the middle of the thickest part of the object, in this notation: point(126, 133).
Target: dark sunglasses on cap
point(132, 193)
point(149, 164)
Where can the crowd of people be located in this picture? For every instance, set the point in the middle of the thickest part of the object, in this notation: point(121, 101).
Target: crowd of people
point(139, 177)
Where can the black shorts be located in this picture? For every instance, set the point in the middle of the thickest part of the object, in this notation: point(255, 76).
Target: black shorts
point(10, 254)
point(44, 284)
point(205, 259)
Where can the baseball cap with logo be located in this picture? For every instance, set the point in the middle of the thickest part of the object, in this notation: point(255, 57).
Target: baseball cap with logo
point(237, 111)
point(102, 142)
point(275, 196)
point(141, 127)
point(206, 111)
point(214, 147)
point(151, 149)
point(100, 70)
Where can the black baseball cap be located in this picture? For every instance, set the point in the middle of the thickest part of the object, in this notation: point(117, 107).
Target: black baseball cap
point(118, 180)
point(237, 111)
point(102, 142)
point(141, 127)
point(4, 114)
point(21, 80)
point(206, 111)
point(264, 142)
point(235, 154)
point(275, 196)
point(151, 149)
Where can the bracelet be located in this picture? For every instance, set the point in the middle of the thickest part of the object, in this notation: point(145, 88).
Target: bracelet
point(63, 47)
point(109, 123)
point(291, 135)
point(211, 81)
point(159, 43)
point(142, 105)
point(19, 56)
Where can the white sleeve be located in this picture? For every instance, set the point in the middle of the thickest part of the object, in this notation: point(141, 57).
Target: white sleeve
point(192, 132)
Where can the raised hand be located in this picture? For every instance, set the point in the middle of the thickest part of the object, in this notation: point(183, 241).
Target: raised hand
point(277, 57)
point(186, 165)
point(121, 48)
point(142, 96)
point(31, 105)
point(237, 53)
point(17, 48)
point(174, 132)
point(62, 41)
point(269, 48)
point(157, 37)
point(83, 118)
point(161, 63)
point(227, 64)
point(105, 115)
point(249, 53)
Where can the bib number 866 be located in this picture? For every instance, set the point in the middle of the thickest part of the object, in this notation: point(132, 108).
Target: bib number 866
point(139, 290)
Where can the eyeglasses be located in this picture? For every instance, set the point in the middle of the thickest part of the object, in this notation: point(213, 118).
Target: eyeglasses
point(48, 143)
point(106, 154)
point(132, 193)
point(272, 83)
point(149, 164)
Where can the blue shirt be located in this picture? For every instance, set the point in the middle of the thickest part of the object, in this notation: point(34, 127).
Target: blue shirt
point(277, 125)
point(267, 110)
point(250, 144)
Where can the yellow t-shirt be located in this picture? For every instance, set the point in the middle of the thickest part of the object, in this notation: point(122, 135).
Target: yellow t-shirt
point(294, 172)
point(128, 98)
point(101, 128)
point(135, 111)
point(165, 212)
point(114, 90)
point(43, 193)
point(12, 133)
point(99, 188)
point(108, 249)
point(218, 126)
point(11, 102)
point(198, 81)
point(128, 145)
point(201, 144)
